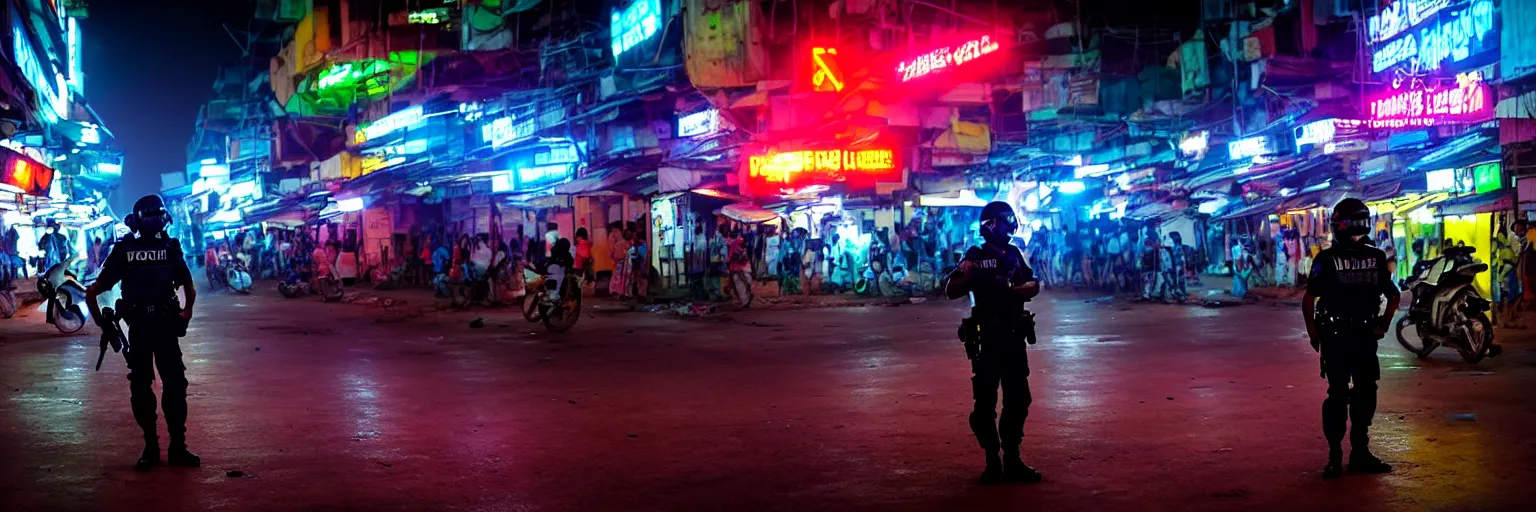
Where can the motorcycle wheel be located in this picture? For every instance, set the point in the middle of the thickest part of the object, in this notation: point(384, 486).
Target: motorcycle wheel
point(68, 317)
point(7, 304)
point(531, 311)
point(567, 317)
point(288, 290)
point(1408, 336)
point(1475, 350)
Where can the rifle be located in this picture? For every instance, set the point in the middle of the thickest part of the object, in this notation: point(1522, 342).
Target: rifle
point(111, 335)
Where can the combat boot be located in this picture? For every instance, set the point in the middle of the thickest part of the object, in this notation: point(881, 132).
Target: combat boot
point(1014, 470)
point(1362, 461)
point(1335, 467)
point(178, 455)
point(994, 472)
point(151, 456)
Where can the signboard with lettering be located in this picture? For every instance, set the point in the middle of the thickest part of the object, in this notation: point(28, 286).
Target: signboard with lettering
point(52, 92)
point(947, 58)
point(635, 24)
point(1432, 57)
point(507, 130)
point(389, 124)
point(542, 175)
point(1469, 100)
point(771, 173)
point(706, 122)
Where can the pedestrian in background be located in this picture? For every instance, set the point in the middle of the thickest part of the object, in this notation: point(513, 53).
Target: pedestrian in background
point(618, 250)
point(639, 262)
point(584, 260)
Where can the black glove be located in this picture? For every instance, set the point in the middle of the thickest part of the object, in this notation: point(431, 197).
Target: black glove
point(107, 320)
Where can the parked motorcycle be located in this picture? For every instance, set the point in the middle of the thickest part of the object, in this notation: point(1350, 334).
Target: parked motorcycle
point(541, 304)
point(1447, 310)
point(870, 283)
point(64, 293)
point(236, 276)
point(329, 287)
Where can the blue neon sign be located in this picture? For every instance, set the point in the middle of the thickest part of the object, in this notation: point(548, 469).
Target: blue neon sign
point(1451, 37)
point(637, 23)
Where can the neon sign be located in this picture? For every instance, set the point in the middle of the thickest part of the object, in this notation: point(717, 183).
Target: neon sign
point(506, 130)
point(637, 23)
point(827, 77)
point(794, 170)
point(542, 175)
point(31, 177)
point(1456, 35)
point(390, 124)
point(1401, 16)
point(942, 59)
point(1470, 100)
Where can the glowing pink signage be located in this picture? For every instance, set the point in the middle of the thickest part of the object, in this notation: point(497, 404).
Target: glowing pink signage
point(1469, 101)
point(941, 60)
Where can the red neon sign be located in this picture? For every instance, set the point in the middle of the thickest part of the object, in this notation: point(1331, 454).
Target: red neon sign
point(1469, 101)
point(827, 76)
point(943, 59)
point(792, 170)
point(21, 172)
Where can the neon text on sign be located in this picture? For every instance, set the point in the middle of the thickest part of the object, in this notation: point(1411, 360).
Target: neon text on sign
point(942, 59)
point(542, 175)
point(392, 123)
point(1316, 132)
point(827, 77)
point(1401, 16)
point(793, 170)
point(698, 123)
point(506, 130)
point(1470, 100)
point(634, 25)
point(557, 155)
point(1451, 39)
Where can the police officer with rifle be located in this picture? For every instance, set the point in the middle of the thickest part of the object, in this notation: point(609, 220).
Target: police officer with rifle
point(999, 282)
point(1342, 309)
point(150, 266)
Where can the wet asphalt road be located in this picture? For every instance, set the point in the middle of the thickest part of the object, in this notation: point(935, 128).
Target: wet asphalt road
point(1137, 407)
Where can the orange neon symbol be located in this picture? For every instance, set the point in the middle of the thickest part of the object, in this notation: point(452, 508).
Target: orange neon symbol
point(826, 78)
point(21, 175)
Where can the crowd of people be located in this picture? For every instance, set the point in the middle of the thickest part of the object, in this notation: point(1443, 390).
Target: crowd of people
point(1116, 257)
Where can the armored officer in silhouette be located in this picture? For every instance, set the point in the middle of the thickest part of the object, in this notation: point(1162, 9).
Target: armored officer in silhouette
point(150, 267)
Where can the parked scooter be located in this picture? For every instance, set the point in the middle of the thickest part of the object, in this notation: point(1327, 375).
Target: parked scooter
point(1447, 310)
point(64, 294)
point(235, 275)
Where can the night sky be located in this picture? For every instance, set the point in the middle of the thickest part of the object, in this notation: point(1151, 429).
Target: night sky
point(149, 65)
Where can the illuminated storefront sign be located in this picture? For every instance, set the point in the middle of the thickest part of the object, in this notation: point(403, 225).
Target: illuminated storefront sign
point(1249, 147)
point(1401, 16)
point(1469, 101)
point(1195, 143)
point(428, 17)
point(390, 124)
point(1451, 37)
point(26, 174)
point(827, 76)
point(1316, 132)
point(506, 130)
point(943, 59)
point(51, 89)
point(541, 175)
point(698, 123)
point(557, 155)
point(1450, 180)
point(793, 170)
point(634, 25)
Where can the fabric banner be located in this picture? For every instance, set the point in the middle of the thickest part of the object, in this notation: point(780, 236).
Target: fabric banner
point(724, 43)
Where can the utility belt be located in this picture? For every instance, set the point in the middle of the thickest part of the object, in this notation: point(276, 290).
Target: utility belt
point(1351, 325)
point(992, 328)
point(162, 313)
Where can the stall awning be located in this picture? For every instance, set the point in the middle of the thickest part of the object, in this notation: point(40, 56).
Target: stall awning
point(1266, 206)
point(1478, 203)
point(748, 213)
point(1467, 149)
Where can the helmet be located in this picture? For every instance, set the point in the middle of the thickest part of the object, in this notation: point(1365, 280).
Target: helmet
point(1351, 218)
point(998, 222)
point(149, 217)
